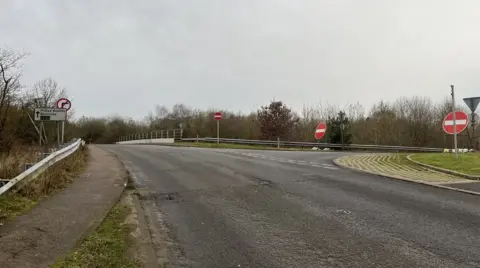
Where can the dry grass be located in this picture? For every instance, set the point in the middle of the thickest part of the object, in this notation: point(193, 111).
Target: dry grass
point(11, 163)
point(53, 179)
point(57, 176)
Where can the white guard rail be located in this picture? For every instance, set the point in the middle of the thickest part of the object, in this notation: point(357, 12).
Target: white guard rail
point(41, 166)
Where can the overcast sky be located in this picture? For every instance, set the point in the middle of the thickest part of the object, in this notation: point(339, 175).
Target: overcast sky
point(124, 57)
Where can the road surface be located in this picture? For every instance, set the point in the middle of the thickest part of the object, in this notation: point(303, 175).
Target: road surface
point(249, 208)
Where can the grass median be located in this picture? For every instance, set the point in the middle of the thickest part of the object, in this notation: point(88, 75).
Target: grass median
point(468, 163)
point(53, 179)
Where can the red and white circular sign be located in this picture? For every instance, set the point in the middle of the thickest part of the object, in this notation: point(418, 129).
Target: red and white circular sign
point(461, 120)
point(218, 116)
point(320, 131)
point(64, 103)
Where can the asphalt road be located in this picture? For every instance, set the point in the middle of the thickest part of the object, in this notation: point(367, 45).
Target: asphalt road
point(241, 208)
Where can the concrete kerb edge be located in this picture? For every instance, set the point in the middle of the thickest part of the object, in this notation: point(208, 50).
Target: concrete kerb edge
point(446, 171)
point(149, 249)
point(335, 162)
point(93, 226)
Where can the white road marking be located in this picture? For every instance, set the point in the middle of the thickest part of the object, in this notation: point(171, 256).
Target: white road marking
point(330, 167)
point(291, 161)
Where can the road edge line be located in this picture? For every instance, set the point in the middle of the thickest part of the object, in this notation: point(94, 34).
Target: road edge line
point(335, 162)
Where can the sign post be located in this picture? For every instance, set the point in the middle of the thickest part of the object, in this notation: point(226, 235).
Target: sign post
point(218, 117)
point(454, 123)
point(63, 103)
point(472, 103)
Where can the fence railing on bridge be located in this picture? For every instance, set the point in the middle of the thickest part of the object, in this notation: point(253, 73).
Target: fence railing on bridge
point(175, 134)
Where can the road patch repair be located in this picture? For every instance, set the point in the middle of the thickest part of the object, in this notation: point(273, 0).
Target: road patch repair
point(398, 166)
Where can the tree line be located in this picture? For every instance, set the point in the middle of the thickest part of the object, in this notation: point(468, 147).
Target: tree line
point(407, 121)
point(412, 121)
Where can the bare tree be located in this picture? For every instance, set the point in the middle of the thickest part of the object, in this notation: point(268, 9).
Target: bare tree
point(47, 91)
point(9, 85)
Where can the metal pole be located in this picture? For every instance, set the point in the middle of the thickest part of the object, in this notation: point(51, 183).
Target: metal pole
point(63, 132)
point(474, 143)
point(218, 131)
point(341, 134)
point(454, 123)
point(58, 134)
point(40, 135)
point(278, 142)
point(342, 126)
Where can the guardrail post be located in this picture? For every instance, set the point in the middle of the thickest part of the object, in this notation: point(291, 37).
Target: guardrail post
point(278, 142)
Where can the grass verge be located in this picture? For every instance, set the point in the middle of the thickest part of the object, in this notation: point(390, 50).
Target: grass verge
point(105, 247)
point(52, 180)
point(468, 163)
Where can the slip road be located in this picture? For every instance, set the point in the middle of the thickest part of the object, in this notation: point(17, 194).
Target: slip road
point(249, 208)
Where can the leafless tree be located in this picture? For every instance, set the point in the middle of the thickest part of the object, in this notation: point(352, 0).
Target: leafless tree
point(9, 85)
point(47, 91)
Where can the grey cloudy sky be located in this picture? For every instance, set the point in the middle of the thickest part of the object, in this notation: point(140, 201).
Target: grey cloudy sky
point(124, 57)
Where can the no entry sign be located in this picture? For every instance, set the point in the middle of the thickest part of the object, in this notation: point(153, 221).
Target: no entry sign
point(320, 131)
point(461, 120)
point(218, 116)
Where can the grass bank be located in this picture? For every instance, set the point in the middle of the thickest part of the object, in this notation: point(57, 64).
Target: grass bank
point(468, 163)
point(53, 179)
point(107, 246)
